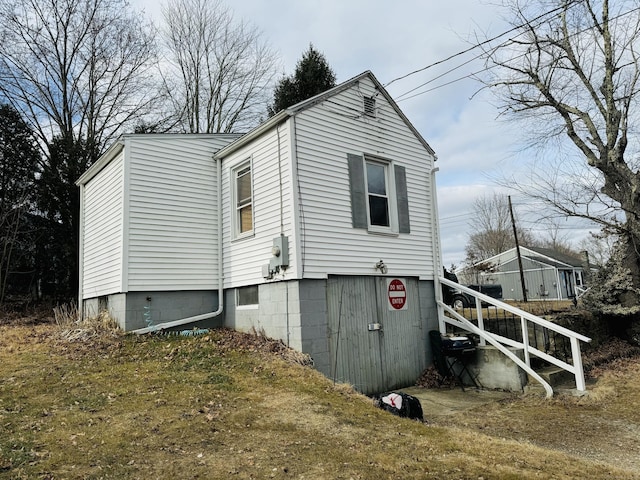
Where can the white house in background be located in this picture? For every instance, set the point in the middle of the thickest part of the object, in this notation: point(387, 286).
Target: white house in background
point(318, 228)
point(548, 274)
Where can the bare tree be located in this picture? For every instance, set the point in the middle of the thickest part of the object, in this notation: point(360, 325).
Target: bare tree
point(573, 71)
point(76, 69)
point(220, 69)
point(554, 237)
point(492, 229)
point(79, 72)
point(599, 248)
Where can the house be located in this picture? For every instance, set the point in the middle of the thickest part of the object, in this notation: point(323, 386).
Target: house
point(548, 274)
point(318, 228)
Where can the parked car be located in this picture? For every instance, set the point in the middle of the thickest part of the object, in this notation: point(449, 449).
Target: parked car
point(464, 300)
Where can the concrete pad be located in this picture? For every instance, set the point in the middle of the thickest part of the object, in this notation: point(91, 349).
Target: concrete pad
point(447, 401)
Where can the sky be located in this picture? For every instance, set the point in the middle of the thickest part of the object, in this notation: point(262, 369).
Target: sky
point(392, 39)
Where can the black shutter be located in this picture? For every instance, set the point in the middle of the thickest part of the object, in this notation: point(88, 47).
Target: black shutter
point(358, 191)
point(402, 199)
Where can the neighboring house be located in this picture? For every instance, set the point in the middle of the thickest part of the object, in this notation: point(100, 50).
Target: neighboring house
point(317, 228)
point(548, 274)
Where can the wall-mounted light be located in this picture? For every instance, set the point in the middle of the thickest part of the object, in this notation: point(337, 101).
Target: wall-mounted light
point(381, 266)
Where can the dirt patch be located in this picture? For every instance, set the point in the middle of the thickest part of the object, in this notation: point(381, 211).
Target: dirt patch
point(603, 425)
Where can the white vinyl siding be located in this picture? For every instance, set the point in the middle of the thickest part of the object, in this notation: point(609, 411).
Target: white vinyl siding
point(102, 231)
point(173, 212)
point(271, 177)
point(327, 134)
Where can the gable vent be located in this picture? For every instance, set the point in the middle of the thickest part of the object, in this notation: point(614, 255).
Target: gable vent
point(370, 106)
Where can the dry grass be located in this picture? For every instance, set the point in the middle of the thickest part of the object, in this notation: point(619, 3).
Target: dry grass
point(227, 405)
point(603, 425)
point(543, 307)
point(73, 329)
point(547, 309)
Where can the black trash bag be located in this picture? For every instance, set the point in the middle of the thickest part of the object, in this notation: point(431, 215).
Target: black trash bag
point(400, 404)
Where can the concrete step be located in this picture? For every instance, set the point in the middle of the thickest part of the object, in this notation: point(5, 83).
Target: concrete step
point(556, 376)
point(560, 380)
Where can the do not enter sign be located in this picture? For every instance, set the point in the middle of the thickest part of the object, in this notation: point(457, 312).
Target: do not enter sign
point(397, 293)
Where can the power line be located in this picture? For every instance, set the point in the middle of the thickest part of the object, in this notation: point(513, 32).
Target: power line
point(477, 45)
point(484, 69)
point(399, 98)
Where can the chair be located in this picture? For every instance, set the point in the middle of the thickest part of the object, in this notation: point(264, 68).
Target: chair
point(439, 360)
point(450, 359)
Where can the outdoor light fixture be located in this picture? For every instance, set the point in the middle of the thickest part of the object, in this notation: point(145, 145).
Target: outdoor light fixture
point(381, 266)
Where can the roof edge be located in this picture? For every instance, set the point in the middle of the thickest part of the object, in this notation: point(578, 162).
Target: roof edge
point(278, 118)
point(283, 115)
point(115, 148)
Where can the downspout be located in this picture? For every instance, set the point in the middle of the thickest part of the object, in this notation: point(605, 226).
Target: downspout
point(203, 316)
point(435, 222)
point(437, 249)
point(81, 256)
point(286, 284)
point(297, 210)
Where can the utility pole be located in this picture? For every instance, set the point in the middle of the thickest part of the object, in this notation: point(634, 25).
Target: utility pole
point(515, 237)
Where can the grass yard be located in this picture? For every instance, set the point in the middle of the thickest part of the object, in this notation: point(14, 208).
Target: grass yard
point(90, 403)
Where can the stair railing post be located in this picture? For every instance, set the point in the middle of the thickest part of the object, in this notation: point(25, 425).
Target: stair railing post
point(483, 342)
point(525, 340)
point(577, 364)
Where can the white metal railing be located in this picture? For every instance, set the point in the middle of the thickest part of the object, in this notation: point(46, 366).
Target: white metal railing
point(580, 291)
point(501, 343)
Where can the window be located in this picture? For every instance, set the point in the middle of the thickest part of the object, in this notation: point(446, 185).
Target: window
point(377, 194)
point(246, 296)
point(243, 200)
point(379, 199)
point(370, 106)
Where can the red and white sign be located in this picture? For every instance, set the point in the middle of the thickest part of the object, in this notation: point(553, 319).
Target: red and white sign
point(397, 293)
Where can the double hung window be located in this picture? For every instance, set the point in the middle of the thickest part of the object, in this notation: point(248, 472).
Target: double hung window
point(243, 198)
point(378, 193)
point(379, 199)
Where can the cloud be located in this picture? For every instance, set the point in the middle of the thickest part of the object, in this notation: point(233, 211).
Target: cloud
point(393, 40)
point(455, 205)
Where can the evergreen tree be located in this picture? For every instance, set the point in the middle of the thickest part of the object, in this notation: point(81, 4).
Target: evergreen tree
point(59, 205)
point(313, 75)
point(19, 161)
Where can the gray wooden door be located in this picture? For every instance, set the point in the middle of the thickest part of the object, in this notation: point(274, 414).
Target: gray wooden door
point(374, 346)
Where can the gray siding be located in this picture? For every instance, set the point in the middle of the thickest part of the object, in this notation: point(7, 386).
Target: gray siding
point(541, 280)
point(378, 360)
point(328, 319)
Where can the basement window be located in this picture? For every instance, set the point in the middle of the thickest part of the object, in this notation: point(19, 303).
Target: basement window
point(247, 296)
